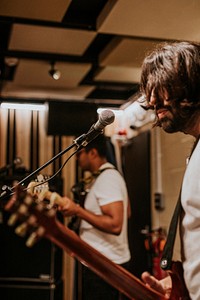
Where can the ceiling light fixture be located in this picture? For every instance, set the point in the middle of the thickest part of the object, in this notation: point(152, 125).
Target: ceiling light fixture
point(55, 74)
point(11, 61)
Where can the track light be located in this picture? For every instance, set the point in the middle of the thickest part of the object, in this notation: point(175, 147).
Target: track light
point(55, 74)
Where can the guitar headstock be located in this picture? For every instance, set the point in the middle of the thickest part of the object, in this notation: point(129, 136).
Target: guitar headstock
point(33, 210)
point(28, 214)
point(38, 187)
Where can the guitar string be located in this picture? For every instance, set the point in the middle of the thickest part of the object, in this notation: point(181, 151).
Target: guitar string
point(53, 176)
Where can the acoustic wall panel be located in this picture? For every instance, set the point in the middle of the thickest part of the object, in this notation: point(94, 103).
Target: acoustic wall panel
point(71, 119)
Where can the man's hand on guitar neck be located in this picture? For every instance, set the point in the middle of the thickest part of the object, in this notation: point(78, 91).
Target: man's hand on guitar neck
point(164, 286)
point(68, 207)
point(64, 204)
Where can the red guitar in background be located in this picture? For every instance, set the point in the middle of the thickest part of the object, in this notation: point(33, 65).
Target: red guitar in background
point(34, 217)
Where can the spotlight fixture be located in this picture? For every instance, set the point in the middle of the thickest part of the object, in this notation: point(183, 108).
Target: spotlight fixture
point(55, 74)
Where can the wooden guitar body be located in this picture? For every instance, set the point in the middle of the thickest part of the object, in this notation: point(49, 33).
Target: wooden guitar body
point(179, 290)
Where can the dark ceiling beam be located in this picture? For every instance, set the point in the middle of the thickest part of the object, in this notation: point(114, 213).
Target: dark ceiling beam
point(112, 85)
point(47, 56)
point(35, 22)
point(111, 94)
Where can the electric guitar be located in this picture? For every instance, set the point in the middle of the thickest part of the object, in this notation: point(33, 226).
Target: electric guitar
point(42, 222)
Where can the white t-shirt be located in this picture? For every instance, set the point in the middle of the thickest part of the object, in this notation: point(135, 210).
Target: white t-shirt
point(190, 198)
point(108, 187)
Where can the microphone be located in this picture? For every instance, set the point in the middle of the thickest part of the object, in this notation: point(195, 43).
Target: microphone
point(106, 118)
point(16, 161)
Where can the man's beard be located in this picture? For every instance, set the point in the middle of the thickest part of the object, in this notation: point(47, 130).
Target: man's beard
point(176, 123)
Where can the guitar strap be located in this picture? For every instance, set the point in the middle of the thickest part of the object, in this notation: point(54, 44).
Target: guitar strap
point(166, 259)
point(95, 175)
point(88, 180)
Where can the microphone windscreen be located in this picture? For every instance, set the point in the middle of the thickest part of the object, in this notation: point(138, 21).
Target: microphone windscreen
point(106, 117)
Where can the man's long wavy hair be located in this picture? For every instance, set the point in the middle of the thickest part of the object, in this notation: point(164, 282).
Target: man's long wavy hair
point(173, 68)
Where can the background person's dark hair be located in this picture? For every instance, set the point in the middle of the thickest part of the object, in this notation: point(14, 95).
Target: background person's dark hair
point(104, 147)
point(99, 143)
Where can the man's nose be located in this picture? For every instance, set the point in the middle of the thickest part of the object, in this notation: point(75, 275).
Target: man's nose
point(153, 101)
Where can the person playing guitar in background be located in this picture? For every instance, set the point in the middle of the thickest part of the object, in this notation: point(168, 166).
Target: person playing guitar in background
point(170, 83)
point(103, 217)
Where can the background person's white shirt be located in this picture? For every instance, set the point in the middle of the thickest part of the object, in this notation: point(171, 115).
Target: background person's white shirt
point(108, 187)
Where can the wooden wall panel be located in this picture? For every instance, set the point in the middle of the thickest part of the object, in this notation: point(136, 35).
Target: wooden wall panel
point(23, 135)
point(3, 130)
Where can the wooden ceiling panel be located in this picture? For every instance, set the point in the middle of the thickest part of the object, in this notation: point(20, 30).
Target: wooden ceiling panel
point(172, 19)
point(119, 74)
point(49, 10)
point(36, 74)
point(126, 52)
point(50, 40)
point(97, 45)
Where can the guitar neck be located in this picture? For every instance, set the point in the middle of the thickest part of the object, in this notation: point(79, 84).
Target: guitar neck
point(115, 275)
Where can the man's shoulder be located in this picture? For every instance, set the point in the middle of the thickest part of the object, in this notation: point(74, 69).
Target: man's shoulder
point(107, 166)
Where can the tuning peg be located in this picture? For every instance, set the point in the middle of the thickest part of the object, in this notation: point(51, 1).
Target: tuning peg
point(31, 186)
point(31, 241)
point(22, 211)
point(35, 237)
point(22, 229)
point(13, 219)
